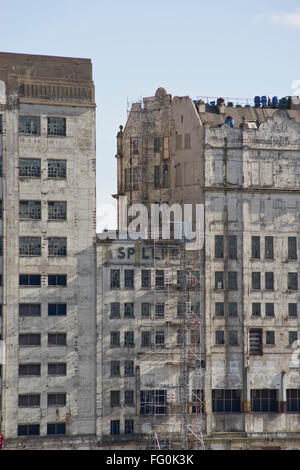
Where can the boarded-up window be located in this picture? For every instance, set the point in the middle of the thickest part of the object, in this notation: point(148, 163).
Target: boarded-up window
point(218, 170)
point(178, 142)
point(166, 147)
point(255, 176)
point(187, 141)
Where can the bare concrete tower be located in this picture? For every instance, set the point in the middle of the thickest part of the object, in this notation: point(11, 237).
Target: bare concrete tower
point(47, 149)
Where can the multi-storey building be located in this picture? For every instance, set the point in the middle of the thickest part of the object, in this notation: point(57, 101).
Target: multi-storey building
point(47, 150)
point(242, 163)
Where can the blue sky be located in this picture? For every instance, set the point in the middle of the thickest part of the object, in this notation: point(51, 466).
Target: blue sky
point(195, 47)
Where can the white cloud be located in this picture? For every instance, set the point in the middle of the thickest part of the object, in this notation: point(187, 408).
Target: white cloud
point(289, 20)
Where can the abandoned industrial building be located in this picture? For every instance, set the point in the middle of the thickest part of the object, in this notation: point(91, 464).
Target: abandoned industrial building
point(146, 344)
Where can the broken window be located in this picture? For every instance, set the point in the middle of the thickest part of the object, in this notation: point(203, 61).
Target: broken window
point(57, 210)
point(56, 399)
point(56, 126)
point(129, 397)
point(232, 280)
point(129, 339)
point(160, 338)
point(57, 280)
point(270, 337)
point(153, 402)
point(232, 309)
point(129, 426)
point(28, 430)
point(219, 246)
point(159, 278)
point(146, 338)
point(129, 278)
point(293, 400)
point(269, 248)
point(32, 280)
point(114, 278)
point(292, 310)
point(30, 246)
point(114, 339)
point(57, 339)
point(264, 401)
point(56, 428)
point(292, 248)
point(28, 400)
point(219, 280)
point(219, 309)
point(27, 370)
point(292, 281)
point(57, 368)
point(269, 281)
point(256, 309)
point(232, 247)
point(30, 125)
point(29, 310)
point(226, 401)
point(293, 336)
point(255, 341)
point(57, 169)
point(134, 146)
point(129, 310)
point(57, 310)
point(156, 177)
point(129, 368)
point(30, 210)
point(57, 246)
point(160, 310)
point(256, 280)
point(220, 337)
point(256, 247)
point(29, 168)
point(115, 398)
point(115, 427)
point(233, 337)
point(115, 368)
point(115, 310)
point(146, 309)
point(30, 339)
point(269, 310)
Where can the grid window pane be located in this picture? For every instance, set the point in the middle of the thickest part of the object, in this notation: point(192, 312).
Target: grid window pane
point(256, 280)
point(57, 309)
point(30, 125)
point(57, 246)
point(29, 310)
point(292, 248)
point(30, 210)
point(115, 310)
point(220, 338)
point(219, 309)
point(57, 210)
point(269, 248)
point(292, 281)
point(129, 310)
point(269, 310)
point(114, 278)
point(219, 280)
point(57, 169)
point(146, 278)
point(30, 246)
point(292, 310)
point(255, 252)
point(129, 278)
point(56, 126)
point(264, 401)
point(232, 247)
point(129, 368)
point(29, 168)
point(219, 246)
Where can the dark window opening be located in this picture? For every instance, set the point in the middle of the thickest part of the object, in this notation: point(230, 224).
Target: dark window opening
point(264, 401)
point(153, 402)
point(29, 168)
point(255, 252)
point(219, 246)
point(269, 248)
point(30, 125)
point(114, 278)
point(56, 126)
point(29, 310)
point(226, 401)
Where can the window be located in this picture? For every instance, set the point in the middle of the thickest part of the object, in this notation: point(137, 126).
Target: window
point(57, 339)
point(129, 426)
point(232, 247)
point(1, 209)
point(153, 402)
point(30, 339)
point(30, 210)
point(187, 141)
point(114, 278)
point(293, 336)
point(1, 126)
point(57, 280)
point(59, 368)
point(269, 248)
point(293, 400)
point(178, 142)
point(56, 126)
point(29, 168)
point(129, 278)
point(115, 398)
point(292, 310)
point(195, 337)
point(269, 310)
point(29, 370)
point(180, 278)
point(219, 281)
point(129, 310)
point(159, 278)
point(226, 401)
point(219, 309)
point(256, 280)
point(56, 399)
point(146, 278)
point(160, 338)
point(114, 339)
point(29, 310)
point(115, 427)
point(220, 339)
point(129, 369)
point(160, 310)
point(232, 280)
point(233, 338)
point(129, 339)
point(134, 146)
point(146, 338)
point(129, 397)
point(264, 401)
point(198, 399)
point(57, 210)
point(269, 281)
point(292, 281)
point(57, 246)
point(57, 310)
point(28, 401)
point(30, 246)
point(255, 252)
point(115, 310)
point(156, 177)
point(30, 125)
point(56, 428)
point(270, 337)
point(219, 246)
point(115, 368)
point(146, 309)
point(256, 309)
point(255, 341)
point(57, 169)
point(157, 144)
point(166, 176)
point(180, 309)
point(292, 248)
point(28, 430)
point(232, 309)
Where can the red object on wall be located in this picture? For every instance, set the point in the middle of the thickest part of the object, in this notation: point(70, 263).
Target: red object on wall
point(1, 441)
